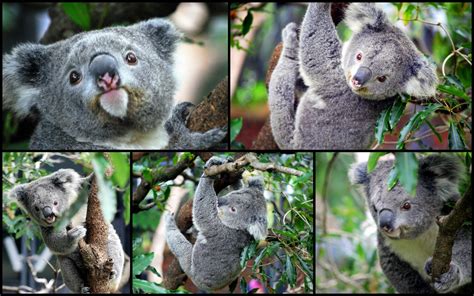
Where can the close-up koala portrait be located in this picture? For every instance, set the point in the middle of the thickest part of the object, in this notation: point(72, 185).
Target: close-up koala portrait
point(406, 225)
point(348, 85)
point(231, 223)
point(393, 222)
point(111, 88)
point(49, 202)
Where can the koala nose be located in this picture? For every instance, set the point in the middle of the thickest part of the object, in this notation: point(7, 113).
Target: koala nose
point(362, 75)
point(47, 211)
point(103, 68)
point(386, 220)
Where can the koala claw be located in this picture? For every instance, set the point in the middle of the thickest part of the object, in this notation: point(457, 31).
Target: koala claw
point(77, 232)
point(215, 160)
point(447, 280)
point(170, 221)
point(85, 290)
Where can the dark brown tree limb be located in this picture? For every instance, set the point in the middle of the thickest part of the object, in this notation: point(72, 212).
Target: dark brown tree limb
point(159, 175)
point(94, 248)
point(448, 228)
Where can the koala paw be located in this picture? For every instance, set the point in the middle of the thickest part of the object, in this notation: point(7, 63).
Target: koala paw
point(77, 233)
point(448, 280)
point(290, 36)
point(215, 160)
point(85, 290)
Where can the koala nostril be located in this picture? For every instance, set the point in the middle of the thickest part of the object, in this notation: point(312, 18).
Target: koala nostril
point(104, 69)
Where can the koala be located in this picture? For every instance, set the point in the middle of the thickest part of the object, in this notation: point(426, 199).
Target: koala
point(407, 229)
point(106, 89)
point(45, 201)
point(225, 226)
point(348, 86)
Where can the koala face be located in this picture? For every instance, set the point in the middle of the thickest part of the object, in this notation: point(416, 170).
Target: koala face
point(97, 84)
point(399, 215)
point(244, 209)
point(46, 199)
point(380, 61)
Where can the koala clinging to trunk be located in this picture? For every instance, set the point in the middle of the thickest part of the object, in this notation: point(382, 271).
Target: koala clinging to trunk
point(225, 225)
point(46, 200)
point(348, 85)
point(407, 229)
point(106, 89)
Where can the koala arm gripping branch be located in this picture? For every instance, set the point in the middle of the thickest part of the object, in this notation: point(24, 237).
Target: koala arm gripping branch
point(320, 48)
point(205, 206)
point(62, 241)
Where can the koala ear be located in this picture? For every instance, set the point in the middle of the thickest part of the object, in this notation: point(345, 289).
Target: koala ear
point(423, 79)
point(63, 176)
point(441, 167)
point(358, 173)
point(258, 228)
point(23, 72)
point(361, 15)
point(162, 33)
point(18, 193)
point(256, 182)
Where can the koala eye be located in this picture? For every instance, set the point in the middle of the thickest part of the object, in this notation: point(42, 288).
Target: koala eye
point(74, 77)
point(382, 78)
point(359, 56)
point(131, 58)
point(37, 209)
point(55, 203)
point(232, 209)
point(406, 206)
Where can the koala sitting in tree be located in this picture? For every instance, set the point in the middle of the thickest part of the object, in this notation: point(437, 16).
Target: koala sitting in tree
point(225, 226)
point(348, 86)
point(407, 229)
point(46, 200)
point(106, 89)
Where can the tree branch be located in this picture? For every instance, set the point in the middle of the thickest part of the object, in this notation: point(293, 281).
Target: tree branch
point(249, 159)
point(159, 175)
point(448, 228)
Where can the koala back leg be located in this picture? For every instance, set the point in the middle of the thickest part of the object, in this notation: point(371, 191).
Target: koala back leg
point(179, 245)
point(115, 251)
point(71, 266)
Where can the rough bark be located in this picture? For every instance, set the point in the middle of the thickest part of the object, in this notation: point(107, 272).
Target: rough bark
point(94, 248)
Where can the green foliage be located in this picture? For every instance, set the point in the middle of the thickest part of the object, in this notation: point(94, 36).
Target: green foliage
point(78, 13)
point(235, 127)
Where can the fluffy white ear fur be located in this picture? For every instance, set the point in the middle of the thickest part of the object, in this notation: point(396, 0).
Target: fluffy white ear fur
point(359, 15)
point(424, 83)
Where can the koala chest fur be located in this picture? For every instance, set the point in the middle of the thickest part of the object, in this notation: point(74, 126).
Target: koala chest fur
point(415, 251)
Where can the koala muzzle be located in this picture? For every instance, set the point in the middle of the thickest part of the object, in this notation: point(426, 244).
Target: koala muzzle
point(386, 220)
point(47, 212)
point(103, 68)
point(362, 75)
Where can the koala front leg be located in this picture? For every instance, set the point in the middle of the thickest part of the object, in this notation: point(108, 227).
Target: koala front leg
point(62, 241)
point(179, 245)
point(281, 89)
point(320, 48)
point(182, 138)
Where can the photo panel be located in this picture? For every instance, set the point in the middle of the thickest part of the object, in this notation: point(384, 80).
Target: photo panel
point(223, 222)
point(66, 222)
point(385, 221)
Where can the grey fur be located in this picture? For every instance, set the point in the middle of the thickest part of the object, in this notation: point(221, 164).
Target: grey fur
point(408, 240)
point(36, 80)
point(38, 200)
point(333, 113)
point(214, 260)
